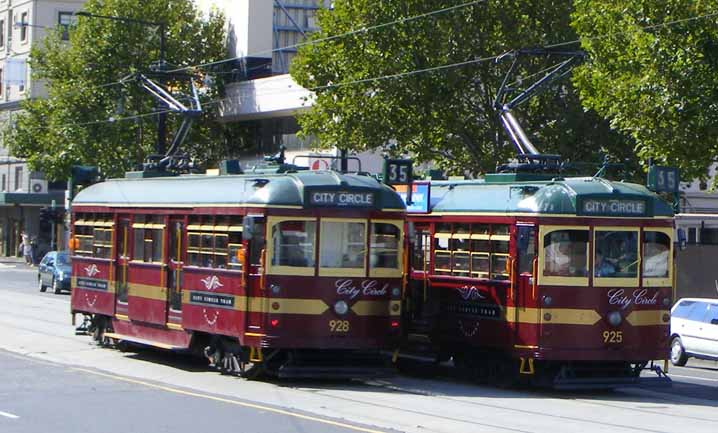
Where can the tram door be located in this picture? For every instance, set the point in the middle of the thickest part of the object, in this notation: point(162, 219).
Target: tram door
point(122, 246)
point(175, 271)
point(254, 239)
point(525, 293)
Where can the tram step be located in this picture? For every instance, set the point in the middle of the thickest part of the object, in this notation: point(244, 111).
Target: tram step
point(610, 382)
point(332, 372)
point(142, 341)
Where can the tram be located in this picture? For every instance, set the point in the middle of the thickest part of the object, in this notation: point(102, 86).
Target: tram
point(280, 271)
point(530, 277)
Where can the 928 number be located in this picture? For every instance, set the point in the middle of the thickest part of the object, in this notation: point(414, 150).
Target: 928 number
point(339, 326)
point(613, 337)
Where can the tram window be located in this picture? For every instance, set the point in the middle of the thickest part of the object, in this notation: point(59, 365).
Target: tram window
point(526, 249)
point(462, 228)
point(566, 253)
point(656, 254)
point(102, 243)
point(460, 263)
point(421, 250)
point(258, 244)
point(480, 265)
point(293, 243)
point(385, 240)
point(460, 244)
point(480, 229)
point(343, 245)
point(442, 255)
point(616, 254)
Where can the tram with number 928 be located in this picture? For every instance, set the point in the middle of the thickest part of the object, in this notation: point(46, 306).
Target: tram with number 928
point(280, 271)
point(530, 277)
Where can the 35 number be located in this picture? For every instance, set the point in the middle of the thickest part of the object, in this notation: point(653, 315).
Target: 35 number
point(339, 325)
point(613, 337)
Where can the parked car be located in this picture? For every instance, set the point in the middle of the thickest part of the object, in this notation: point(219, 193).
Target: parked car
point(694, 330)
point(54, 271)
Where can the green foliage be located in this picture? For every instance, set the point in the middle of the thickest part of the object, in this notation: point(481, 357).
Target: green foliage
point(71, 126)
point(656, 82)
point(447, 115)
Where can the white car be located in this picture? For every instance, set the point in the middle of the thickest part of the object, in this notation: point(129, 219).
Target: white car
point(694, 330)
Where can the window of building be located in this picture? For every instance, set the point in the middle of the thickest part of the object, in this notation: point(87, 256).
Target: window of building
point(66, 20)
point(709, 236)
point(3, 185)
point(2, 82)
point(692, 235)
point(23, 26)
point(215, 242)
point(472, 250)
point(18, 178)
point(2, 33)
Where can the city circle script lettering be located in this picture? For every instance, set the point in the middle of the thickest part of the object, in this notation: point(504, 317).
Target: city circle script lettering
point(341, 198)
point(367, 288)
point(614, 207)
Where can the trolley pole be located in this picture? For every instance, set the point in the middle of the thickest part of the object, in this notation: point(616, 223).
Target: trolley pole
point(344, 163)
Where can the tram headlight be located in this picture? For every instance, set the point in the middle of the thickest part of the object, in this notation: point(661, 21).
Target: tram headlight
point(547, 300)
point(395, 292)
point(275, 289)
point(614, 318)
point(341, 307)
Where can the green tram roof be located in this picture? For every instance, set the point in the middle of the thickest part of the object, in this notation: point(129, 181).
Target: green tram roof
point(255, 189)
point(581, 196)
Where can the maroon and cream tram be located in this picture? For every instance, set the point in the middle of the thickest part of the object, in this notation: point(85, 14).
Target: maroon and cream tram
point(530, 277)
point(293, 273)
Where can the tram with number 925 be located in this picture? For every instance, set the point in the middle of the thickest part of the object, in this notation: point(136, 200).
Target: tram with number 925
point(535, 278)
point(290, 273)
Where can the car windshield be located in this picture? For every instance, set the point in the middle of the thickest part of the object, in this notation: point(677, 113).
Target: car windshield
point(63, 259)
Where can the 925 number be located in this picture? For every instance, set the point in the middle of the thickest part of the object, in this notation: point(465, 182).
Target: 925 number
point(339, 326)
point(613, 337)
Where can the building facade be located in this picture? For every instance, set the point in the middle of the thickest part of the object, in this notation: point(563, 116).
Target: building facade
point(23, 193)
point(263, 36)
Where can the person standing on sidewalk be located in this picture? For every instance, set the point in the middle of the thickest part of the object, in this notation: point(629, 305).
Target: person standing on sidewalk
point(26, 249)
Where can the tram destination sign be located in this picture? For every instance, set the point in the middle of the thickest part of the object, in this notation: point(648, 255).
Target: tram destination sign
point(340, 198)
point(611, 206)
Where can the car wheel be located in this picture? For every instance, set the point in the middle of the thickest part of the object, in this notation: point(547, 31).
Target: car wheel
point(678, 353)
point(40, 285)
point(56, 286)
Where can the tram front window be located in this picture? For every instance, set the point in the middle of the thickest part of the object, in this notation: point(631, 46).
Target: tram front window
point(343, 245)
point(385, 245)
point(616, 254)
point(294, 243)
point(656, 254)
point(566, 253)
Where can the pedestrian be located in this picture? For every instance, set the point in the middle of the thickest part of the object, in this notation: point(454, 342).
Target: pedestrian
point(26, 248)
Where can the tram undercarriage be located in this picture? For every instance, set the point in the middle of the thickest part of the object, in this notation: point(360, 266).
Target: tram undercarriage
point(229, 357)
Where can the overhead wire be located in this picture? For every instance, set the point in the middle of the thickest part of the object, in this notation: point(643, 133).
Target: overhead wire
point(337, 36)
point(396, 75)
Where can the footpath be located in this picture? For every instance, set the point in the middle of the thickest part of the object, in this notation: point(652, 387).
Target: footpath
point(13, 262)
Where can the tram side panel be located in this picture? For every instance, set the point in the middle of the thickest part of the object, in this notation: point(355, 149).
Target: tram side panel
point(93, 290)
point(214, 301)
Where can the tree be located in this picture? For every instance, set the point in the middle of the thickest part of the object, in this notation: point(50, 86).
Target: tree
point(74, 124)
point(445, 115)
point(654, 75)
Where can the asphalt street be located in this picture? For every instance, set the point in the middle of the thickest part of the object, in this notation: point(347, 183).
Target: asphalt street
point(51, 376)
point(38, 396)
